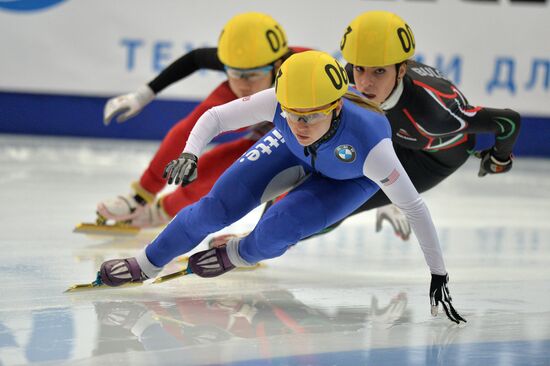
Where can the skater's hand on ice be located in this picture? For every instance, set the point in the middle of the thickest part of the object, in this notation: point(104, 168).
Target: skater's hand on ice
point(491, 164)
point(127, 105)
point(439, 293)
point(183, 169)
point(396, 218)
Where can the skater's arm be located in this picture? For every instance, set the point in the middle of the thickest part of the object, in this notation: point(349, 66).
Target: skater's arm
point(503, 123)
point(239, 113)
point(383, 167)
point(200, 58)
point(128, 105)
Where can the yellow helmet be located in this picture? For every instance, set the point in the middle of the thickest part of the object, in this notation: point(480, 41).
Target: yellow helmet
point(251, 40)
point(377, 38)
point(310, 79)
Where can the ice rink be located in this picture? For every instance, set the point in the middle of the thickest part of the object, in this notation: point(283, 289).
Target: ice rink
point(351, 297)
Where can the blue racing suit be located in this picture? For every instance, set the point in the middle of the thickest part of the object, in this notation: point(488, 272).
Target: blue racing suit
point(328, 182)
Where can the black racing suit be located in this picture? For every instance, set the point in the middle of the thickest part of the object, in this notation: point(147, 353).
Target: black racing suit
point(200, 58)
point(434, 127)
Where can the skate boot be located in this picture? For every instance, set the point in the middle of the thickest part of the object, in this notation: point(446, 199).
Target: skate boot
point(222, 240)
point(117, 272)
point(125, 208)
point(211, 262)
point(152, 216)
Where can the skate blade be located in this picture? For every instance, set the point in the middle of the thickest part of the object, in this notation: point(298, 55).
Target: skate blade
point(250, 268)
point(116, 229)
point(94, 286)
point(187, 271)
point(172, 276)
point(185, 259)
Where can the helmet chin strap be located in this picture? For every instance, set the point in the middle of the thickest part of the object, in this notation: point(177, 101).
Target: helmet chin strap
point(395, 94)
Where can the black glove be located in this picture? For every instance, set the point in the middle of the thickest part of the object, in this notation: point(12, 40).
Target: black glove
point(439, 293)
point(490, 164)
point(182, 169)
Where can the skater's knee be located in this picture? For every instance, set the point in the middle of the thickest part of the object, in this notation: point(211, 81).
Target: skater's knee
point(211, 209)
point(275, 233)
point(282, 225)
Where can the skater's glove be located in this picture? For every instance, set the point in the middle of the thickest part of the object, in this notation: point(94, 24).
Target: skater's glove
point(396, 218)
point(183, 169)
point(490, 164)
point(128, 105)
point(439, 293)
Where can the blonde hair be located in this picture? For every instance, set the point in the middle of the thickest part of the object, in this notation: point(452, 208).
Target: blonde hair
point(363, 102)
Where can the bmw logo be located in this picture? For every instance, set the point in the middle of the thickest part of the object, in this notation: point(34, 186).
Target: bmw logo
point(346, 153)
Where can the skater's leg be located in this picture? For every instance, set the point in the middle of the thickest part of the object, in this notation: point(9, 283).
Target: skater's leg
point(312, 206)
point(244, 186)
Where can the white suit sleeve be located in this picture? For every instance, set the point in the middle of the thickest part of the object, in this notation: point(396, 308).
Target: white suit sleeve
point(383, 167)
point(236, 114)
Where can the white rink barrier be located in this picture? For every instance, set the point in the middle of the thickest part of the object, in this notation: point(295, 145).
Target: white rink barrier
point(497, 51)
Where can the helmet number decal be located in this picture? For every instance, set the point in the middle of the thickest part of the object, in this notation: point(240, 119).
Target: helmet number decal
point(337, 76)
point(274, 39)
point(282, 34)
point(344, 38)
point(406, 37)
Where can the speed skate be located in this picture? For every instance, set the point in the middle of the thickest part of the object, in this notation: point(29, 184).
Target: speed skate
point(98, 284)
point(102, 227)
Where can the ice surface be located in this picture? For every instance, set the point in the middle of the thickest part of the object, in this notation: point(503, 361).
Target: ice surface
point(351, 297)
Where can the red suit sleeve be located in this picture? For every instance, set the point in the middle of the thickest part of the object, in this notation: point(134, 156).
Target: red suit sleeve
point(174, 142)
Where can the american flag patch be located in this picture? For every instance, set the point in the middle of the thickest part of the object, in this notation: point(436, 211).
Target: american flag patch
point(390, 179)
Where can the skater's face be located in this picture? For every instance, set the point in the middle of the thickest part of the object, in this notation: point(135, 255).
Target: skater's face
point(310, 124)
point(377, 83)
point(245, 82)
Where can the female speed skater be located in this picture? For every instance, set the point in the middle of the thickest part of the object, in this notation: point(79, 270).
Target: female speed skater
point(433, 125)
point(331, 149)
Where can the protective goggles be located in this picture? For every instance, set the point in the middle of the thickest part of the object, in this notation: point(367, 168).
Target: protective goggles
point(248, 74)
point(308, 117)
